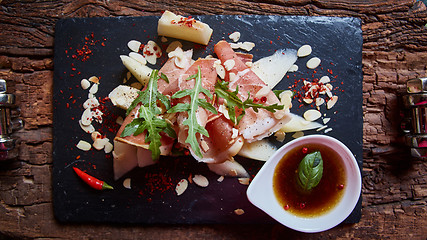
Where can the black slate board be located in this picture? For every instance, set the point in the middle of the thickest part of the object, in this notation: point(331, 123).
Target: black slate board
point(337, 41)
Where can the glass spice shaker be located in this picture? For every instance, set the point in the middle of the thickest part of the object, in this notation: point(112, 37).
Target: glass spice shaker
point(415, 103)
point(8, 124)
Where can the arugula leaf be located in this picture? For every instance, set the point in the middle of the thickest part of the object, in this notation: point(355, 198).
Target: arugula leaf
point(195, 102)
point(150, 95)
point(147, 121)
point(233, 102)
point(310, 170)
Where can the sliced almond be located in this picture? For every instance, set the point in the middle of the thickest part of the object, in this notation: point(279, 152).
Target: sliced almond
point(293, 68)
point(235, 36)
point(326, 120)
point(181, 186)
point(229, 64)
point(319, 101)
point(134, 45)
point(94, 79)
point(97, 115)
point(204, 145)
point(95, 135)
point(220, 70)
point(244, 181)
point(304, 51)
point(313, 63)
point(86, 118)
point(298, 134)
point(173, 45)
point(308, 100)
point(91, 103)
point(235, 133)
point(151, 52)
point(239, 211)
point(119, 120)
point(312, 115)
point(328, 130)
point(220, 179)
point(126, 183)
point(200, 180)
point(248, 46)
point(99, 143)
point(232, 77)
point(324, 79)
point(87, 129)
point(280, 136)
point(83, 145)
point(93, 89)
point(331, 102)
point(85, 84)
point(108, 147)
point(138, 57)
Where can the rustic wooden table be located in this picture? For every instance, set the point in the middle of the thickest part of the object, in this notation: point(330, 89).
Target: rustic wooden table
point(394, 184)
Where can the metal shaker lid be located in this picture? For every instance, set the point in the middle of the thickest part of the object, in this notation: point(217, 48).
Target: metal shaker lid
point(6, 99)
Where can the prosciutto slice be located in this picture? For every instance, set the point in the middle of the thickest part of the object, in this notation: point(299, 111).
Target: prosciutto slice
point(222, 144)
point(254, 125)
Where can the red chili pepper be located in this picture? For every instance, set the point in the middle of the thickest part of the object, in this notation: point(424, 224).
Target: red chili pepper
point(91, 181)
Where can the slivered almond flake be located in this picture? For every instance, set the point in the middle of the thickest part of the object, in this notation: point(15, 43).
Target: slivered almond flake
point(324, 79)
point(313, 63)
point(331, 102)
point(119, 120)
point(86, 118)
point(326, 120)
point(321, 128)
point(93, 89)
point(88, 129)
point(312, 115)
point(126, 183)
point(94, 79)
point(308, 100)
point(239, 211)
point(229, 64)
point(99, 143)
point(204, 145)
point(91, 103)
point(298, 134)
point(181, 186)
point(220, 71)
point(235, 36)
point(328, 130)
point(85, 84)
point(173, 45)
point(304, 51)
point(244, 181)
point(319, 101)
point(83, 145)
point(200, 180)
point(248, 46)
point(95, 135)
point(108, 147)
point(232, 77)
point(280, 136)
point(151, 52)
point(220, 179)
point(235, 133)
point(134, 45)
point(293, 68)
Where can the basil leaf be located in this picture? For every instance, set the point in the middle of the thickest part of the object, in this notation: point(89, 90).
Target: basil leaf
point(310, 170)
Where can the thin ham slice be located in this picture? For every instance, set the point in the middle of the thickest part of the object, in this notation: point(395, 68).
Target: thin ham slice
point(221, 145)
point(254, 125)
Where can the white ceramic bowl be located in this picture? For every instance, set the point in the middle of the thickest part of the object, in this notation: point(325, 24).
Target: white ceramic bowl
point(260, 191)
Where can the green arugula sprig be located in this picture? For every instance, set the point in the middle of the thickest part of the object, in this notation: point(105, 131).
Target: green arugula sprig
point(233, 102)
point(150, 95)
point(191, 107)
point(147, 117)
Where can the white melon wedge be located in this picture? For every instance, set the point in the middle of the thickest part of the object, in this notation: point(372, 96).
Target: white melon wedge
point(189, 29)
point(273, 68)
point(139, 71)
point(297, 124)
point(228, 168)
point(259, 150)
point(124, 158)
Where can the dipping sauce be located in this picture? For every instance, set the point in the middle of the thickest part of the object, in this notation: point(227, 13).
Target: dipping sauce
point(321, 198)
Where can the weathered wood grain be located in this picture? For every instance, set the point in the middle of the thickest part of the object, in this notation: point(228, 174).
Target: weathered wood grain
point(394, 50)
